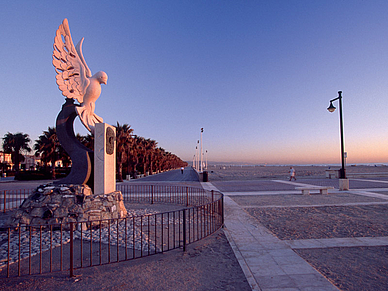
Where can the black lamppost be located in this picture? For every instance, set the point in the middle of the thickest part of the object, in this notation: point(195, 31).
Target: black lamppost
point(331, 108)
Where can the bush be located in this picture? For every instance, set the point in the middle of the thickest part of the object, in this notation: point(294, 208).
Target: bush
point(32, 175)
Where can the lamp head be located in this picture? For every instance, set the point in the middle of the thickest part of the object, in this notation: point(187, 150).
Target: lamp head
point(331, 108)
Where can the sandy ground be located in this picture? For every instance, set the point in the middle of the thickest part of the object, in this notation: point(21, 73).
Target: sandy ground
point(349, 268)
point(210, 264)
point(227, 173)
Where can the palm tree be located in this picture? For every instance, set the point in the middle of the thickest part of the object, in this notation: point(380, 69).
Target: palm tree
point(15, 144)
point(160, 158)
point(86, 140)
point(134, 155)
point(123, 137)
point(150, 146)
point(49, 148)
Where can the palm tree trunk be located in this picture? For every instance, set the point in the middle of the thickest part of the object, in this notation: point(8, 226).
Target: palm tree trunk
point(120, 172)
point(53, 173)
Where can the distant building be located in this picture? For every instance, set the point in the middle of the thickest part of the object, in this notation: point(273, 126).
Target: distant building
point(5, 158)
point(5, 161)
point(31, 162)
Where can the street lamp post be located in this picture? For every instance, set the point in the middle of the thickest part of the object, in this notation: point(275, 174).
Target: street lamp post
point(206, 159)
point(201, 167)
point(197, 154)
point(331, 108)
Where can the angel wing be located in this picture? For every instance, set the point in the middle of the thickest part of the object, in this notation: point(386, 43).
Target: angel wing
point(72, 71)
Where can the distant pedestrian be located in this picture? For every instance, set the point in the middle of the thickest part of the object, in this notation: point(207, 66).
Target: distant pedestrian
point(182, 169)
point(292, 173)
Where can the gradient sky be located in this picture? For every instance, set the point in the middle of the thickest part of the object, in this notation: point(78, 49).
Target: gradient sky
point(256, 75)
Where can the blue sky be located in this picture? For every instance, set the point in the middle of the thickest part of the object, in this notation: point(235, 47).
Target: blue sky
point(256, 75)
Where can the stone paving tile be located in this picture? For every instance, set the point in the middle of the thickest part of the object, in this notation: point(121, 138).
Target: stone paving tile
point(273, 265)
point(312, 280)
point(276, 281)
point(285, 259)
point(297, 268)
point(268, 259)
point(267, 269)
point(305, 243)
point(374, 241)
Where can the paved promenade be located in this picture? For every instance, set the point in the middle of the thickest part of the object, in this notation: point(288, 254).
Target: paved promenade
point(271, 227)
point(287, 241)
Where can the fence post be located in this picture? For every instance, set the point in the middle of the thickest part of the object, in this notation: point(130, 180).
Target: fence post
point(187, 196)
point(71, 250)
point(212, 195)
point(184, 230)
point(5, 198)
point(152, 194)
point(9, 250)
point(222, 211)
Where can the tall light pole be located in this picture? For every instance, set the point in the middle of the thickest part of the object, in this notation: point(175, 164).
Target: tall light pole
point(196, 157)
point(331, 108)
point(206, 159)
point(201, 168)
point(197, 162)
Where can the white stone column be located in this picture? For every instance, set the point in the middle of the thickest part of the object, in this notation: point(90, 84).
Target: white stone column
point(104, 158)
point(343, 184)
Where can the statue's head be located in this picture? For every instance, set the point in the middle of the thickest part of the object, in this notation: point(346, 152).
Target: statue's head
point(102, 77)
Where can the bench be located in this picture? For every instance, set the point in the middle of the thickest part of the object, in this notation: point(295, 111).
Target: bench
point(322, 189)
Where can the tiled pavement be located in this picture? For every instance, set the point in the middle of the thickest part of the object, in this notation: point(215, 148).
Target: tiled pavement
point(270, 263)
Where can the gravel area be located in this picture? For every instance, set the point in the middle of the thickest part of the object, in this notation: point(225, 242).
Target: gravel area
point(250, 172)
point(324, 222)
point(208, 264)
point(246, 186)
point(348, 268)
point(354, 268)
point(299, 200)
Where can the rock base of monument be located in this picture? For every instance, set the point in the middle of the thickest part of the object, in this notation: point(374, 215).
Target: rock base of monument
point(55, 204)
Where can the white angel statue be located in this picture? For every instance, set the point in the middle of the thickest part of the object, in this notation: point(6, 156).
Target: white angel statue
point(74, 77)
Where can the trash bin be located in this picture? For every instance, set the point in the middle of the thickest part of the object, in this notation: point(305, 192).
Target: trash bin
point(205, 176)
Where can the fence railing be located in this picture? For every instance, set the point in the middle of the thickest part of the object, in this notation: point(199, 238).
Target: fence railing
point(37, 249)
point(11, 199)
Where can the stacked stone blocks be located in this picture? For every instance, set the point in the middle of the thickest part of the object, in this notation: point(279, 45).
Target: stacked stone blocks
point(55, 204)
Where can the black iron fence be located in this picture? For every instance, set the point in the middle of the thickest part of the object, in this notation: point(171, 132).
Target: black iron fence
point(37, 249)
